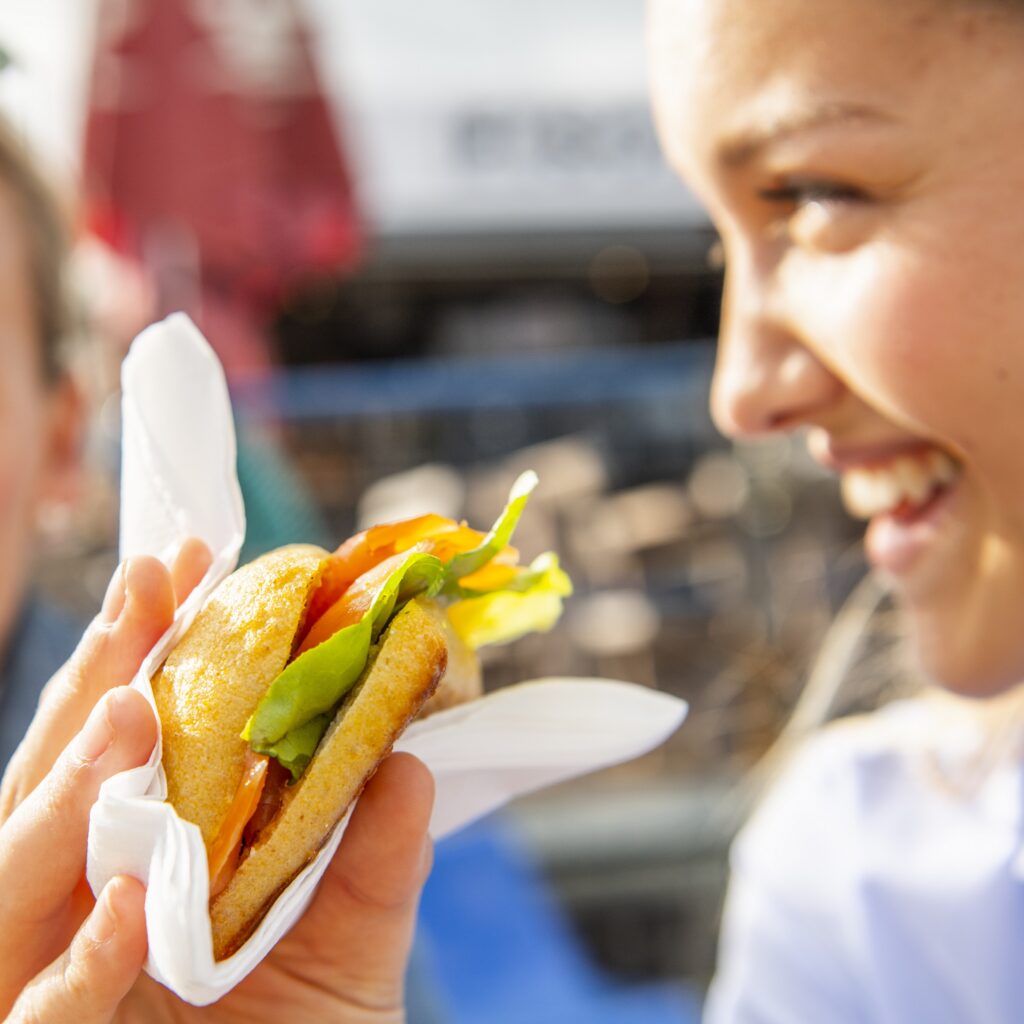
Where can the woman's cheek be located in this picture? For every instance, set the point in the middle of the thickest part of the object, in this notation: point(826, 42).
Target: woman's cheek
point(886, 325)
point(953, 349)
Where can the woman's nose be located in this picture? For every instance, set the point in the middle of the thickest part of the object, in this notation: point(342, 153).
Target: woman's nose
point(766, 379)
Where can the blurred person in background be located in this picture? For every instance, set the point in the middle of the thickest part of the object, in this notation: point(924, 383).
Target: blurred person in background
point(41, 413)
point(864, 165)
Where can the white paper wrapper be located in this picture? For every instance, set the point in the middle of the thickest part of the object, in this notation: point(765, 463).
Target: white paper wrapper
point(179, 480)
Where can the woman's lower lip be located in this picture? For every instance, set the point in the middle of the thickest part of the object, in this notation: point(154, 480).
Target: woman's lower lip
point(895, 544)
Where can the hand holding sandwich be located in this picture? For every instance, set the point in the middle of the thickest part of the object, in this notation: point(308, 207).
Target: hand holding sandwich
point(61, 957)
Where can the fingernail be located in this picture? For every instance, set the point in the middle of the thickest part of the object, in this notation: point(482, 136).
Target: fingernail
point(114, 599)
point(182, 547)
point(427, 858)
point(122, 709)
point(103, 920)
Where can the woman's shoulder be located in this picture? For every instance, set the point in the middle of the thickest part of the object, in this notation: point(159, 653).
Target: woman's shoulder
point(869, 776)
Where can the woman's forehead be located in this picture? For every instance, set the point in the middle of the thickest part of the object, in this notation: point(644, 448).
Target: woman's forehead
point(738, 44)
point(728, 69)
point(739, 39)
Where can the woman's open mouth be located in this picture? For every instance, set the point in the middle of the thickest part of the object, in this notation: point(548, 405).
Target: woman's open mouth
point(904, 498)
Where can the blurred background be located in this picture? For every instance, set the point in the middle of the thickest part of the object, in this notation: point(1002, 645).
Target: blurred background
point(435, 244)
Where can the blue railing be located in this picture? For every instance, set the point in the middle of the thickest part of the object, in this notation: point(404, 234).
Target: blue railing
point(677, 372)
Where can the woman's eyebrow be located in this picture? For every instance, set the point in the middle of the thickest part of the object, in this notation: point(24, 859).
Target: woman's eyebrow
point(740, 146)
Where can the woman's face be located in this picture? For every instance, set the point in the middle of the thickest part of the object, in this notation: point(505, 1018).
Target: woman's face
point(38, 423)
point(864, 164)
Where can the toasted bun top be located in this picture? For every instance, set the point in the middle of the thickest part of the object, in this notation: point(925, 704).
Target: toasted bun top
point(211, 682)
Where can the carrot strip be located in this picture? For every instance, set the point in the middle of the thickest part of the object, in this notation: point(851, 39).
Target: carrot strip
point(227, 846)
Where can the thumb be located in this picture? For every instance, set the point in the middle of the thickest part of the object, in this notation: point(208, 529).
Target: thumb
point(87, 983)
point(355, 938)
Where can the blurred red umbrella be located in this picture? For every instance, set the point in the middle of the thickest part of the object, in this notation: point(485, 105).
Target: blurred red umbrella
point(211, 158)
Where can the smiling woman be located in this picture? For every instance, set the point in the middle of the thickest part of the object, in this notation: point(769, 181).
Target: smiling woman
point(869, 205)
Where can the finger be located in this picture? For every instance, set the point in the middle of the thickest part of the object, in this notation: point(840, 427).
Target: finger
point(137, 610)
point(43, 844)
point(190, 565)
point(366, 906)
point(89, 981)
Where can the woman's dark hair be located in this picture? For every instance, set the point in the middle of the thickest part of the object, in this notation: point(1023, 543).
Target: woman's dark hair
point(45, 239)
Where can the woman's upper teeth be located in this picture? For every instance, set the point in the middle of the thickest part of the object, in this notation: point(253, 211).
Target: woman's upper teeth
point(907, 480)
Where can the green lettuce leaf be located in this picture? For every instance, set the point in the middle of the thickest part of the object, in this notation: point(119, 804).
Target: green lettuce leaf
point(296, 748)
point(501, 533)
point(505, 615)
point(297, 709)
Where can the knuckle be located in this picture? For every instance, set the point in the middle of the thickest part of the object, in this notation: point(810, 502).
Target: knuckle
point(76, 768)
point(364, 897)
point(68, 784)
point(75, 981)
point(81, 676)
point(74, 683)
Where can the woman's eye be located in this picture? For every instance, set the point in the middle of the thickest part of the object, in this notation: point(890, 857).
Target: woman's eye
point(802, 193)
point(820, 215)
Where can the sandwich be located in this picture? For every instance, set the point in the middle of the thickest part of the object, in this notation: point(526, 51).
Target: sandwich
point(302, 669)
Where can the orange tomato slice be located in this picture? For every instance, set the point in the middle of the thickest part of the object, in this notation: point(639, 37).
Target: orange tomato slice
point(365, 550)
point(350, 577)
point(493, 576)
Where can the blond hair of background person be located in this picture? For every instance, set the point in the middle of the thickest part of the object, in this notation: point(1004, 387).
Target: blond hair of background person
point(864, 165)
point(61, 957)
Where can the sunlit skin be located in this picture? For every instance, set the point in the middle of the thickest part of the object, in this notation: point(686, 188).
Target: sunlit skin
point(864, 164)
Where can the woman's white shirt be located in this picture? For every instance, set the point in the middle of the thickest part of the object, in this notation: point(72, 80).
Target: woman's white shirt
point(879, 882)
